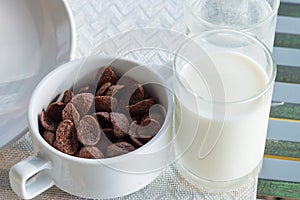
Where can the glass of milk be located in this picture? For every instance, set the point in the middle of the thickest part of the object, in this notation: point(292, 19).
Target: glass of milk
point(223, 84)
point(256, 17)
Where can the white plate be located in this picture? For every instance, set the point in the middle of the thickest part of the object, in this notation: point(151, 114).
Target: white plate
point(36, 36)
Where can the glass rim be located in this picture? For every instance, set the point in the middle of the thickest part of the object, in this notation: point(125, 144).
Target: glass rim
point(269, 84)
point(216, 26)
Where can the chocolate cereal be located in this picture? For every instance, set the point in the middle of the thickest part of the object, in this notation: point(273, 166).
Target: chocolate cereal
point(88, 131)
point(105, 103)
point(52, 116)
point(68, 95)
point(103, 89)
point(90, 152)
point(66, 140)
point(120, 124)
point(48, 136)
point(83, 102)
point(71, 113)
point(119, 148)
point(111, 117)
point(141, 108)
point(105, 75)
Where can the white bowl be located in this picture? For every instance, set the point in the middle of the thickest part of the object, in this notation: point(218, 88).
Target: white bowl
point(36, 36)
point(92, 178)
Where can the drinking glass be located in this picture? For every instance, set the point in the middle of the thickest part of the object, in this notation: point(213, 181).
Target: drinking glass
point(256, 17)
point(223, 85)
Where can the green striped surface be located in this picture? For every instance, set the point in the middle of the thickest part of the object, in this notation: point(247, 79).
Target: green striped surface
point(288, 111)
point(287, 40)
point(289, 9)
point(278, 189)
point(283, 148)
point(288, 74)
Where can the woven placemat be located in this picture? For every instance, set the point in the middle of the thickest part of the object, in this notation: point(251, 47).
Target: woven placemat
point(168, 185)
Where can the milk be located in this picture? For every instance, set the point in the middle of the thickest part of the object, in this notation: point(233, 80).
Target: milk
point(222, 142)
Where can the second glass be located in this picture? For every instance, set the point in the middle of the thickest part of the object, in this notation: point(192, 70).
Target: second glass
point(256, 17)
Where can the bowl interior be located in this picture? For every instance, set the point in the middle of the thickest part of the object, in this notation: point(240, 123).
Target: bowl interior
point(80, 72)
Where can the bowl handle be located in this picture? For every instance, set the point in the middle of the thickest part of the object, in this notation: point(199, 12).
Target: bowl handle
point(29, 177)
